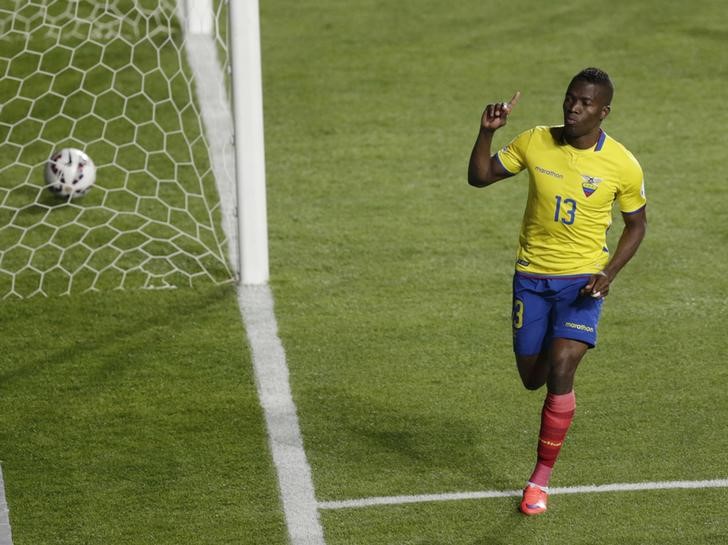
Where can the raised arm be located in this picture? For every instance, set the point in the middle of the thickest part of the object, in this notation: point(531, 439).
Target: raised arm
point(483, 168)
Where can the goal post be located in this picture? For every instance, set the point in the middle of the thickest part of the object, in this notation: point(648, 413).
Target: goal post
point(246, 101)
point(114, 78)
point(247, 88)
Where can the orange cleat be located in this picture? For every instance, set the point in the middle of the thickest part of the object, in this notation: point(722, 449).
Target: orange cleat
point(534, 500)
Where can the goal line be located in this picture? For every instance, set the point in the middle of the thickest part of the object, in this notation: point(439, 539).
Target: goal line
point(487, 494)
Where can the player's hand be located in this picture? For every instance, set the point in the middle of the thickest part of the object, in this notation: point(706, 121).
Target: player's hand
point(496, 115)
point(598, 286)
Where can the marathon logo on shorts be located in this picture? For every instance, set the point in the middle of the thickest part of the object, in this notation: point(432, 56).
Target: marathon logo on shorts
point(580, 327)
point(590, 184)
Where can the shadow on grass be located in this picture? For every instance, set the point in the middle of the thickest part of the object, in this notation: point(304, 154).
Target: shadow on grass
point(109, 333)
point(390, 439)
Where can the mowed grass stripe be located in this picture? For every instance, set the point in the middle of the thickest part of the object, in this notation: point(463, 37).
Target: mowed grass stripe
point(131, 418)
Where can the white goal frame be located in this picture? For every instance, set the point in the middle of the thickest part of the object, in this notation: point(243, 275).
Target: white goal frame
point(247, 114)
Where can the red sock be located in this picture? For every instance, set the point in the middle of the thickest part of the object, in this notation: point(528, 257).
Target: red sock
point(556, 417)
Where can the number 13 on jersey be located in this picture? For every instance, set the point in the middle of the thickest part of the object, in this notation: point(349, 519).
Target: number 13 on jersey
point(565, 211)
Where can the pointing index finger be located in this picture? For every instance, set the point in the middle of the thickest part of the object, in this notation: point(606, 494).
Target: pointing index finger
point(514, 100)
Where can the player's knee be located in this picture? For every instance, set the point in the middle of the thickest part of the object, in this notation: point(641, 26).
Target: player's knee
point(533, 371)
point(561, 374)
point(533, 383)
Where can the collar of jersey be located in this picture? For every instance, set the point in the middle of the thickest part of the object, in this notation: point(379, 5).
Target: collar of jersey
point(595, 148)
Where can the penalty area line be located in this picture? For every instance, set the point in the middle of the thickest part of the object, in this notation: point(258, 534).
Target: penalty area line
point(487, 494)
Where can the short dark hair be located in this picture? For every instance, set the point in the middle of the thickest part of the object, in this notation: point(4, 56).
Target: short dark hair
point(597, 77)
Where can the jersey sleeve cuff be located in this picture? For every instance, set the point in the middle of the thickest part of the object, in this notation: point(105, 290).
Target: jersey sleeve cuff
point(508, 170)
point(634, 211)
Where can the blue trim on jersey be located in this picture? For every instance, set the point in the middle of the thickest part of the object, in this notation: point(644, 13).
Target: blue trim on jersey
point(554, 276)
point(635, 211)
point(600, 141)
point(497, 158)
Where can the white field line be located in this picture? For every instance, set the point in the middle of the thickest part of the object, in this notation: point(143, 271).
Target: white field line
point(256, 306)
point(485, 494)
point(271, 376)
point(6, 536)
point(217, 118)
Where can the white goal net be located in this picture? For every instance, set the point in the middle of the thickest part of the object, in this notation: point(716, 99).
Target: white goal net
point(110, 77)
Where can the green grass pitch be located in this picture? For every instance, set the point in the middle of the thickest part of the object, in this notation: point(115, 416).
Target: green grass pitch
point(131, 417)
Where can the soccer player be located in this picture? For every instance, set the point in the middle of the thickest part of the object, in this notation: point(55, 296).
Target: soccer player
point(563, 268)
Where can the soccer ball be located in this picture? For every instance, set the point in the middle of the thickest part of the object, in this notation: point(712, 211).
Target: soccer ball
point(70, 173)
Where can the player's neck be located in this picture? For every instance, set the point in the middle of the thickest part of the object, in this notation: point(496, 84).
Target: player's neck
point(583, 142)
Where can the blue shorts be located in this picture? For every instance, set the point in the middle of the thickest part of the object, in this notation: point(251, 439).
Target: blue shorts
point(547, 307)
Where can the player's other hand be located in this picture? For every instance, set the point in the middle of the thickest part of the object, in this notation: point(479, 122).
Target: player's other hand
point(496, 115)
point(597, 287)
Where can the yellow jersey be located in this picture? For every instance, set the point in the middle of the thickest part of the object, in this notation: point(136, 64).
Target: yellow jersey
point(570, 197)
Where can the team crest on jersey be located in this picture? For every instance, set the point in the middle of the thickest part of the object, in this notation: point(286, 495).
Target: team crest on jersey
point(590, 184)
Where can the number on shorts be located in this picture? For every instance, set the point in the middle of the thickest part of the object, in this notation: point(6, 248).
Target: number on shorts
point(517, 314)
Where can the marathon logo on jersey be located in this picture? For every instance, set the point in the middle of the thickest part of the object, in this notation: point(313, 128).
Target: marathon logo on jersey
point(590, 184)
point(548, 172)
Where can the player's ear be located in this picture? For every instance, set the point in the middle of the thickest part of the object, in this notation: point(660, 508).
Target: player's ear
point(605, 111)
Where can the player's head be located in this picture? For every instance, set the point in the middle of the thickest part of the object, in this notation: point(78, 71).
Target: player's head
point(598, 78)
point(587, 102)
